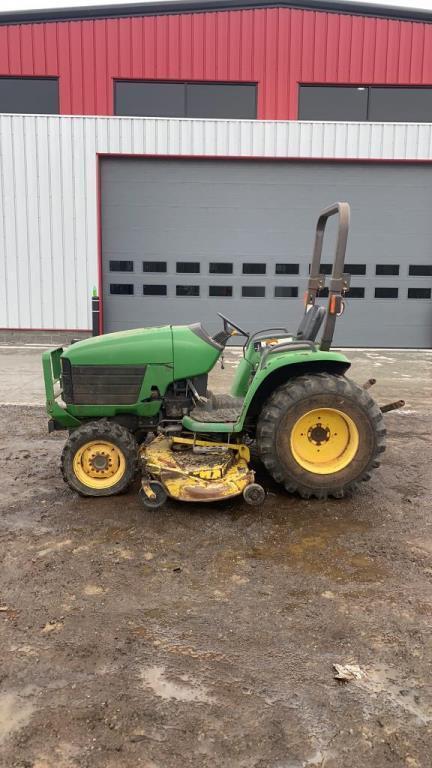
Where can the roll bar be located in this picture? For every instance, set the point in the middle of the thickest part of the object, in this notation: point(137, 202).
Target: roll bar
point(339, 281)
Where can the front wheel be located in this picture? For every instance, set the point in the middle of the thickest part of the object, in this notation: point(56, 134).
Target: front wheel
point(320, 435)
point(100, 459)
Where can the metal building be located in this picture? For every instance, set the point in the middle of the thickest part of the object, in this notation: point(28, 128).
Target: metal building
point(244, 123)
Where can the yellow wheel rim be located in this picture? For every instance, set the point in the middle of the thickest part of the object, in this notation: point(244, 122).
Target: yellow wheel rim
point(324, 441)
point(99, 464)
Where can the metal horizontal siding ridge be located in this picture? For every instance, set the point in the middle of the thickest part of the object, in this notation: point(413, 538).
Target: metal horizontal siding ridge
point(49, 199)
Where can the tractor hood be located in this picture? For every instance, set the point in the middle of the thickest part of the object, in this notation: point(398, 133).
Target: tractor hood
point(139, 346)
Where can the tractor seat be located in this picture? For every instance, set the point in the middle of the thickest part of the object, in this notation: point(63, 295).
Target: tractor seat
point(312, 321)
point(218, 408)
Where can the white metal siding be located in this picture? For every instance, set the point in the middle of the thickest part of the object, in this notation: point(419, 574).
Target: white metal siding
point(48, 190)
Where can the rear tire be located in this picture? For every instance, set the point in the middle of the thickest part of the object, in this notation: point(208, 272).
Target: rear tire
point(100, 458)
point(320, 435)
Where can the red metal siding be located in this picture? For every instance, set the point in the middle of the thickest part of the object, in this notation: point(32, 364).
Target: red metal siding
point(277, 48)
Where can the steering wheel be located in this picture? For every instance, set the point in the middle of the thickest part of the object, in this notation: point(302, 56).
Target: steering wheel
point(227, 322)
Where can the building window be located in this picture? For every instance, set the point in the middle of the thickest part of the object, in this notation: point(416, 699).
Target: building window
point(285, 291)
point(419, 293)
point(154, 266)
point(154, 290)
point(355, 269)
point(254, 269)
point(220, 290)
point(420, 270)
point(249, 291)
point(220, 268)
point(287, 269)
point(387, 269)
point(121, 266)
point(29, 95)
point(364, 102)
point(386, 293)
point(325, 269)
point(144, 98)
point(187, 267)
point(187, 290)
point(356, 293)
point(121, 289)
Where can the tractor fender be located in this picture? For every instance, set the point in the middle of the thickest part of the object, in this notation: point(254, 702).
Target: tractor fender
point(279, 368)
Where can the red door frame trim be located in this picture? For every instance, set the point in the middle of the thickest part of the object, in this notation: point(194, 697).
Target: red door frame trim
point(128, 155)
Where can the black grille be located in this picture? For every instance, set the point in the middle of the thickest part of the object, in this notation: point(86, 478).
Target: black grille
point(101, 384)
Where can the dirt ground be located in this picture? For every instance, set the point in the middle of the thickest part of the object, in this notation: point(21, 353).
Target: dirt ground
point(204, 636)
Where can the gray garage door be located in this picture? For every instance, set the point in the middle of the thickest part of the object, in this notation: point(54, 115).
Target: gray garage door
point(183, 239)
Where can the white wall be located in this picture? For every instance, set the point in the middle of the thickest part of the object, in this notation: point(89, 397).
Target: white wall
point(48, 190)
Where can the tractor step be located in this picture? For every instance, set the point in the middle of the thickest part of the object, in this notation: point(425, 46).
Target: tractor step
point(218, 408)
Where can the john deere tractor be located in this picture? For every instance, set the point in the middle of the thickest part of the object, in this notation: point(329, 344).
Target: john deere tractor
point(137, 402)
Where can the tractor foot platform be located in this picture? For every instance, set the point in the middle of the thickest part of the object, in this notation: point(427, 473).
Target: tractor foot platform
point(219, 408)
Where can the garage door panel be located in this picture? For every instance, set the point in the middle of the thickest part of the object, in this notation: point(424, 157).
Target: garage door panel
point(251, 213)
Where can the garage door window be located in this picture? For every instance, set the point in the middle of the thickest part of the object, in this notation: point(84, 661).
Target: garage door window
point(355, 269)
point(187, 290)
point(121, 266)
point(154, 290)
point(386, 293)
point(254, 269)
point(220, 290)
point(154, 266)
point(147, 98)
point(121, 289)
point(256, 291)
point(187, 267)
point(356, 292)
point(285, 291)
point(419, 293)
point(420, 270)
point(286, 269)
point(387, 269)
point(220, 268)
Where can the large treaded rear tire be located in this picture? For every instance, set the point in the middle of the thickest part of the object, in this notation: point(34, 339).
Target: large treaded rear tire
point(96, 431)
point(299, 396)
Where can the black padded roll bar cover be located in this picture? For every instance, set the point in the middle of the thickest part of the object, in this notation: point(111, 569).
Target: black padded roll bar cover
point(311, 323)
point(343, 210)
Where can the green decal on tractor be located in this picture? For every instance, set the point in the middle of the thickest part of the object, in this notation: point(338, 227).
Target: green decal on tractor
point(137, 402)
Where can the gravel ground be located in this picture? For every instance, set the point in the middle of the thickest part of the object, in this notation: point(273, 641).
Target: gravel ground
point(204, 636)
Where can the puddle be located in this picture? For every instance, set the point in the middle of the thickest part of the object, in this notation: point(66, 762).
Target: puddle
point(186, 691)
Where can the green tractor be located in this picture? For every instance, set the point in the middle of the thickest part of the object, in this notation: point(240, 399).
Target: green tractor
point(137, 402)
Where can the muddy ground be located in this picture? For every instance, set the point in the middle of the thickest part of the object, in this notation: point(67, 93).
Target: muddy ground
point(205, 636)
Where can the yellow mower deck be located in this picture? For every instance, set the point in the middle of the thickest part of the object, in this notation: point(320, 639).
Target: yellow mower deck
point(196, 470)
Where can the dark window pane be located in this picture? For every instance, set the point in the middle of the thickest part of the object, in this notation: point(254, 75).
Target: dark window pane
point(254, 269)
point(253, 290)
point(220, 268)
point(387, 269)
point(419, 293)
point(323, 293)
point(31, 95)
point(356, 293)
point(325, 269)
point(400, 104)
point(154, 266)
point(220, 290)
point(285, 291)
point(186, 267)
point(386, 293)
point(332, 103)
point(355, 269)
point(420, 270)
point(287, 269)
point(121, 289)
point(187, 290)
point(221, 100)
point(146, 99)
point(154, 290)
point(121, 266)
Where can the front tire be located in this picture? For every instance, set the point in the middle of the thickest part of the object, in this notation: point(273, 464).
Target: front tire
point(100, 458)
point(320, 435)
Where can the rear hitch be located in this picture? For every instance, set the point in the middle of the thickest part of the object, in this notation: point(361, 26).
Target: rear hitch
point(369, 383)
point(392, 406)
